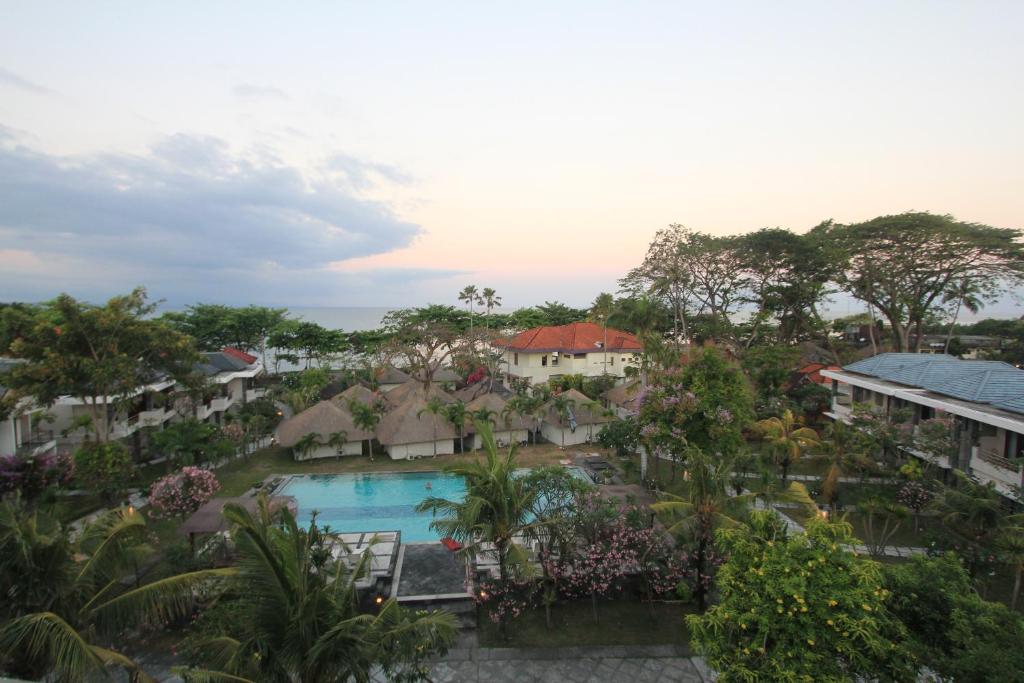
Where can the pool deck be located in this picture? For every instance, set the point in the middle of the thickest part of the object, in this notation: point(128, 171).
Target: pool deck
point(429, 572)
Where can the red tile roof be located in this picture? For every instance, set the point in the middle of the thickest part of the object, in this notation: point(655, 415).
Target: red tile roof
point(246, 358)
point(812, 372)
point(573, 338)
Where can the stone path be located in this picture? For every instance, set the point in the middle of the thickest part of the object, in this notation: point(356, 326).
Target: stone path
point(631, 664)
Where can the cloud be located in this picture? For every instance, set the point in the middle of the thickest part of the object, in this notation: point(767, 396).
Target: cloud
point(14, 80)
point(193, 219)
point(364, 174)
point(249, 91)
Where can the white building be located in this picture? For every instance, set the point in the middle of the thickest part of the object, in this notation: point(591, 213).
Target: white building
point(543, 353)
point(329, 421)
point(984, 401)
point(582, 422)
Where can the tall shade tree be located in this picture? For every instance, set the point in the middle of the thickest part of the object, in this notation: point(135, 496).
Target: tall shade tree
point(902, 265)
point(215, 326)
point(496, 508)
point(425, 337)
point(665, 276)
point(299, 617)
point(99, 354)
point(65, 593)
point(787, 439)
point(602, 307)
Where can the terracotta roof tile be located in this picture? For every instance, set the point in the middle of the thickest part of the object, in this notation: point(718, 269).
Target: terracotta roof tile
point(582, 337)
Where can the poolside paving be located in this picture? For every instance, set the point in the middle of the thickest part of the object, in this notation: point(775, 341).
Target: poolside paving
point(635, 664)
point(430, 569)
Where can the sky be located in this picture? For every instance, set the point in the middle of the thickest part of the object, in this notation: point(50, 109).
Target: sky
point(388, 153)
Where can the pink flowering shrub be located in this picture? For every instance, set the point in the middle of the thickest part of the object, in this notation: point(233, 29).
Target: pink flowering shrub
point(182, 493)
point(33, 475)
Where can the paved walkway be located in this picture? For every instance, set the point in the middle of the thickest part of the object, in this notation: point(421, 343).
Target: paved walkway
point(630, 664)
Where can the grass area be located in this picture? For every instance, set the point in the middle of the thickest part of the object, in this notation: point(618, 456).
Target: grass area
point(239, 476)
point(619, 622)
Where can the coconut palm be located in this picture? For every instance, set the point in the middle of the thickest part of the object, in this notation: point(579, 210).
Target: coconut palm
point(300, 618)
point(839, 448)
point(707, 505)
point(563, 405)
point(63, 593)
point(1010, 544)
point(436, 408)
point(365, 417)
point(470, 295)
point(966, 294)
point(456, 414)
point(491, 300)
point(527, 407)
point(496, 507)
point(337, 440)
point(971, 510)
point(602, 307)
point(787, 440)
point(306, 445)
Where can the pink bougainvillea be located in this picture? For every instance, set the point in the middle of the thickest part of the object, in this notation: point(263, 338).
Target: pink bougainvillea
point(182, 493)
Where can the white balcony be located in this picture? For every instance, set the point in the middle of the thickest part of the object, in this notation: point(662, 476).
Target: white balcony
point(221, 403)
point(253, 394)
point(123, 428)
point(155, 417)
point(989, 466)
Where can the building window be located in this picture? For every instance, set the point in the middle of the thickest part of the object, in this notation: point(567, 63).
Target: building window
point(515, 359)
point(579, 356)
point(613, 361)
point(544, 361)
point(554, 359)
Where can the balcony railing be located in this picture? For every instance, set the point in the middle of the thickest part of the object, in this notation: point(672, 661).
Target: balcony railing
point(993, 458)
point(38, 441)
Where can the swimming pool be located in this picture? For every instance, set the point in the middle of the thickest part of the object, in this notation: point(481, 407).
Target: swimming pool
point(376, 501)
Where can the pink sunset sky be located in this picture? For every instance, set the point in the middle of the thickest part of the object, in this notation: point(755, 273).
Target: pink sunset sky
point(385, 154)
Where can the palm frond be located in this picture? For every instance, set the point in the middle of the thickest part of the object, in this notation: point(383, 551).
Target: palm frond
point(46, 636)
point(165, 599)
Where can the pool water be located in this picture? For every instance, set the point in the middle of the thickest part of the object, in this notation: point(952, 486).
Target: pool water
point(375, 502)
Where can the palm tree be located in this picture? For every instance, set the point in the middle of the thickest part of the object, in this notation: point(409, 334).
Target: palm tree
point(971, 510)
point(491, 300)
point(300, 617)
point(527, 407)
point(307, 444)
point(470, 295)
point(707, 505)
point(496, 507)
point(65, 592)
point(966, 294)
point(1011, 546)
point(456, 413)
point(562, 405)
point(337, 441)
point(365, 417)
point(600, 310)
point(787, 440)
point(838, 447)
point(436, 408)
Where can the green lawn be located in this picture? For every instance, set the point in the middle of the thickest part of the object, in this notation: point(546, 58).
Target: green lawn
point(619, 622)
point(238, 477)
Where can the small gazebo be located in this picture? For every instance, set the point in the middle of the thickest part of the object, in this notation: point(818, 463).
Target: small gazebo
point(209, 519)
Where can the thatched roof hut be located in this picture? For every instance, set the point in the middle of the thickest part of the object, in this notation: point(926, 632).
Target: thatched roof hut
point(324, 418)
point(625, 396)
point(581, 412)
point(496, 403)
point(409, 421)
point(397, 396)
point(389, 374)
point(358, 393)
point(440, 375)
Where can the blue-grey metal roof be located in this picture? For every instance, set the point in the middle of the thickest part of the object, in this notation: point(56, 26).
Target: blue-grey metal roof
point(992, 382)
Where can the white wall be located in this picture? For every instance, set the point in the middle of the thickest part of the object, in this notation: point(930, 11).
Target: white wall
point(350, 448)
point(592, 366)
point(555, 434)
point(420, 450)
point(506, 437)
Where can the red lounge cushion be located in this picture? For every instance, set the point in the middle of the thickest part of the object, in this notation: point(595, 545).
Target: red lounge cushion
point(451, 544)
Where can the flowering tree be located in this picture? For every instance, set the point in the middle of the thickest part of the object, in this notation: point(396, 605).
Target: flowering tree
point(799, 607)
point(33, 475)
point(707, 404)
point(915, 496)
point(182, 493)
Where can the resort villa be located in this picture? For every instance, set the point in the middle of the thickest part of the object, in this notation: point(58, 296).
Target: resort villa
point(580, 423)
point(509, 427)
point(982, 401)
point(543, 353)
point(409, 430)
point(334, 427)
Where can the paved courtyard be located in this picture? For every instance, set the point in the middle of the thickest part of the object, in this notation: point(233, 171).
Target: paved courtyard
point(635, 664)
